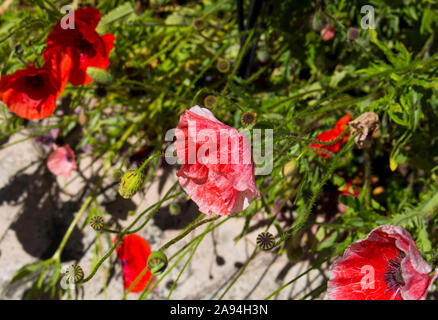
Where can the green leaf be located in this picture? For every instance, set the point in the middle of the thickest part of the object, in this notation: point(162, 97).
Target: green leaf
point(99, 75)
point(118, 13)
point(26, 270)
point(426, 21)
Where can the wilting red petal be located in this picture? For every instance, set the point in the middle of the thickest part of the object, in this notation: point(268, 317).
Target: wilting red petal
point(217, 171)
point(87, 47)
point(385, 266)
point(62, 161)
point(133, 252)
point(331, 135)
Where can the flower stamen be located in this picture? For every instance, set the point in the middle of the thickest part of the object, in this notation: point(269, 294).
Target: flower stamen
point(393, 274)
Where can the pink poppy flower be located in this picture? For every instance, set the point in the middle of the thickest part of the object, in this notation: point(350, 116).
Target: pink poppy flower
point(217, 168)
point(62, 161)
point(385, 266)
point(328, 32)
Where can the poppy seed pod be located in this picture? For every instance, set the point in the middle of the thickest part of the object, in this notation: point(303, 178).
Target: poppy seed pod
point(131, 182)
point(199, 24)
point(74, 273)
point(96, 223)
point(223, 65)
point(157, 262)
point(248, 118)
point(265, 241)
point(210, 101)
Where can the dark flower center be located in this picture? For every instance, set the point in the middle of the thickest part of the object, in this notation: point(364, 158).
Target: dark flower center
point(35, 82)
point(69, 157)
point(393, 274)
point(83, 45)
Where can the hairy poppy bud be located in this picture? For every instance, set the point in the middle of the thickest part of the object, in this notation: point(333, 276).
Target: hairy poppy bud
point(157, 262)
point(96, 223)
point(131, 182)
point(174, 209)
point(289, 168)
point(265, 241)
point(74, 273)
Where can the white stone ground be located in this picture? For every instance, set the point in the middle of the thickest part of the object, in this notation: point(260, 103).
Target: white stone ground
point(32, 210)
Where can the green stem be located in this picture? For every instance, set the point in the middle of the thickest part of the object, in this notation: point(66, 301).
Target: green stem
point(70, 229)
point(187, 231)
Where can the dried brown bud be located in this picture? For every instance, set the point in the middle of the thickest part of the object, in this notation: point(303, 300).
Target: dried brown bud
point(366, 124)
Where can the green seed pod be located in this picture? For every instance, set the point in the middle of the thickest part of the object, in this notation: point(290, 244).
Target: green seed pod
point(74, 273)
point(157, 262)
point(223, 65)
point(199, 24)
point(265, 241)
point(210, 101)
point(248, 118)
point(96, 223)
point(131, 182)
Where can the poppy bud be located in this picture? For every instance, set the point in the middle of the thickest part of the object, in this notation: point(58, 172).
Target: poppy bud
point(288, 169)
point(223, 65)
point(265, 241)
point(96, 223)
point(248, 118)
point(157, 262)
point(131, 182)
point(74, 273)
point(174, 209)
point(210, 101)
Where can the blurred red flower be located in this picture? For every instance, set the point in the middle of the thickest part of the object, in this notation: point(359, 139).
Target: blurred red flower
point(328, 32)
point(31, 93)
point(385, 266)
point(88, 49)
point(327, 136)
point(62, 161)
point(217, 168)
point(133, 252)
point(350, 191)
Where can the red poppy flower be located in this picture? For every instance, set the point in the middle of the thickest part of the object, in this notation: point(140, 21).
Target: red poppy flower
point(62, 161)
point(133, 252)
point(88, 49)
point(385, 266)
point(217, 169)
point(327, 136)
point(31, 93)
point(328, 32)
